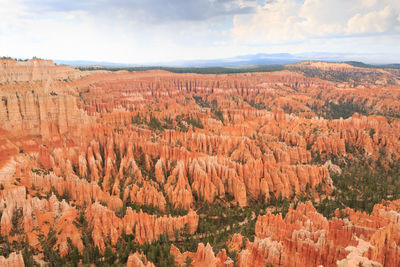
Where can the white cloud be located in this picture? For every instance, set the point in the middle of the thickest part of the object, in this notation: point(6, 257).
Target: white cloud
point(291, 20)
point(275, 22)
point(380, 21)
point(104, 31)
point(10, 12)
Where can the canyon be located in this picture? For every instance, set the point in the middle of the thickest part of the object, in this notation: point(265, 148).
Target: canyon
point(154, 168)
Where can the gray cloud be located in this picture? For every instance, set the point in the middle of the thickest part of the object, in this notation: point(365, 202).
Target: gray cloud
point(148, 11)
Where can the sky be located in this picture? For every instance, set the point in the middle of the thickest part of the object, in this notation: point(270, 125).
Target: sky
point(146, 31)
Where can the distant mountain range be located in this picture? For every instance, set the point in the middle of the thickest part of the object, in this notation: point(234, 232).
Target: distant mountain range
point(239, 61)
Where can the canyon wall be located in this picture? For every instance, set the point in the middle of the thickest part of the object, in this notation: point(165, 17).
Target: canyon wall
point(100, 156)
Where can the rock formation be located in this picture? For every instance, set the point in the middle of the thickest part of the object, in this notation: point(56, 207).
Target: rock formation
point(140, 153)
point(204, 256)
point(138, 260)
point(13, 260)
point(304, 237)
point(34, 70)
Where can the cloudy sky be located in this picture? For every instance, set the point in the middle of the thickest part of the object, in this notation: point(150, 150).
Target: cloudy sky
point(145, 31)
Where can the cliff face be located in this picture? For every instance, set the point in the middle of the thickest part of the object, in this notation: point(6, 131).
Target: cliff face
point(139, 154)
point(34, 70)
point(37, 99)
point(47, 114)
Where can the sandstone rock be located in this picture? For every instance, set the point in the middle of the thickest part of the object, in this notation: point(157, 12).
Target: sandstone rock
point(34, 70)
point(204, 256)
point(148, 195)
point(88, 138)
point(236, 243)
point(13, 260)
point(138, 260)
point(306, 237)
point(147, 227)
